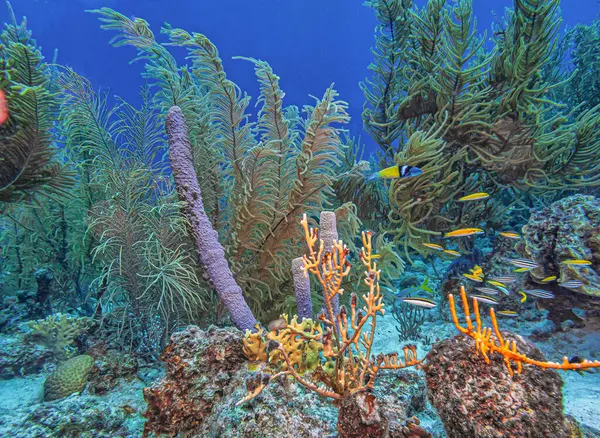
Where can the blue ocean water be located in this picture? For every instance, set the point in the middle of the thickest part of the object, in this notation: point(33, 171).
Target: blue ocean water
point(122, 314)
point(310, 44)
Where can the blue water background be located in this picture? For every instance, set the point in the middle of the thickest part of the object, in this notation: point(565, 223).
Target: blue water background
point(309, 43)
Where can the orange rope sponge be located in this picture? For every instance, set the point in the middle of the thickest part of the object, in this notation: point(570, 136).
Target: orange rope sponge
point(486, 344)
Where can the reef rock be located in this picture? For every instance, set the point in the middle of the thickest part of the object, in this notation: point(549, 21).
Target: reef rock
point(84, 416)
point(18, 358)
point(475, 399)
point(567, 229)
point(206, 374)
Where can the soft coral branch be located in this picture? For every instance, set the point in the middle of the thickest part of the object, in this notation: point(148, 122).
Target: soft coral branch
point(486, 344)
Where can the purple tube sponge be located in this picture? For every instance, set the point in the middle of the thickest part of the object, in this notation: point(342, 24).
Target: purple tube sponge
point(328, 233)
point(301, 289)
point(208, 249)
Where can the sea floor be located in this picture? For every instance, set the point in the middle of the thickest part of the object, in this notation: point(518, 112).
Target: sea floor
point(114, 414)
point(118, 413)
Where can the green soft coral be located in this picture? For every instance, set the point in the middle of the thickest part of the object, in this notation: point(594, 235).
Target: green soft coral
point(261, 175)
point(474, 119)
point(28, 163)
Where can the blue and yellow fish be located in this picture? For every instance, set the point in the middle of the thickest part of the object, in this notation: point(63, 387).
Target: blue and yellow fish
point(400, 171)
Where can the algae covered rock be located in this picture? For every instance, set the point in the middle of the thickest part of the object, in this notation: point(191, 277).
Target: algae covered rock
point(567, 229)
point(68, 378)
point(475, 399)
point(18, 358)
point(206, 378)
point(116, 414)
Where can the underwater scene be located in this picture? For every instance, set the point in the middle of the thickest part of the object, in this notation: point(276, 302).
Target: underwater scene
point(325, 218)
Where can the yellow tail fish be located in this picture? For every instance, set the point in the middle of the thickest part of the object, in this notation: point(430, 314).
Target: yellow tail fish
point(474, 197)
point(463, 232)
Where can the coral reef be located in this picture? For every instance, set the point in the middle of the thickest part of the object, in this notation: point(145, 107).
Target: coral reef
point(28, 158)
point(207, 375)
point(111, 368)
point(483, 400)
point(489, 341)
point(474, 118)
point(470, 387)
point(566, 229)
point(345, 367)
point(178, 403)
point(86, 416)
point(255, 178)
point(208, 248)
point(68, 378)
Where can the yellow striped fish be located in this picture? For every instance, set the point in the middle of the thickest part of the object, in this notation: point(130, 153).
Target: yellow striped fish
point(549, 279)
point(452, 252)
point(496, 283)
point(473, 277)
point(474, 197)
point(434, 246)
point(463, 232)
point(510, 235)
point(484, 299)
point(576, 262)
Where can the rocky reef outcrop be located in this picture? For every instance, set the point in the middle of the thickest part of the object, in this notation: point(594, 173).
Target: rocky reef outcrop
point(475, 399)
point(206, 378)
point(567, 229)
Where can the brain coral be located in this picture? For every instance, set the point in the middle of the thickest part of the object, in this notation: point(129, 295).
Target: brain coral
point(68, 378)
point(567, 229)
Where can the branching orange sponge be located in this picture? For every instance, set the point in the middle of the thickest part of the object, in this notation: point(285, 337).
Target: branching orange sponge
point(331, 356)
point(486, 344)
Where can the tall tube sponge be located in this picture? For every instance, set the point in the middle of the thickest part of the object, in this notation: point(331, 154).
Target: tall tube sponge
point(329, 235)
point(210, 252)
point(301, 289)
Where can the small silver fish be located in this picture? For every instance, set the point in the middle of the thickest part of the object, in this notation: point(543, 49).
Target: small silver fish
point(487, 290)
point(571, 284)
point(505, 279)
point(507, 313)
point(540, 293)
point(421, 302)
point(522, 263)
point(504, 290)
point(484, 299)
